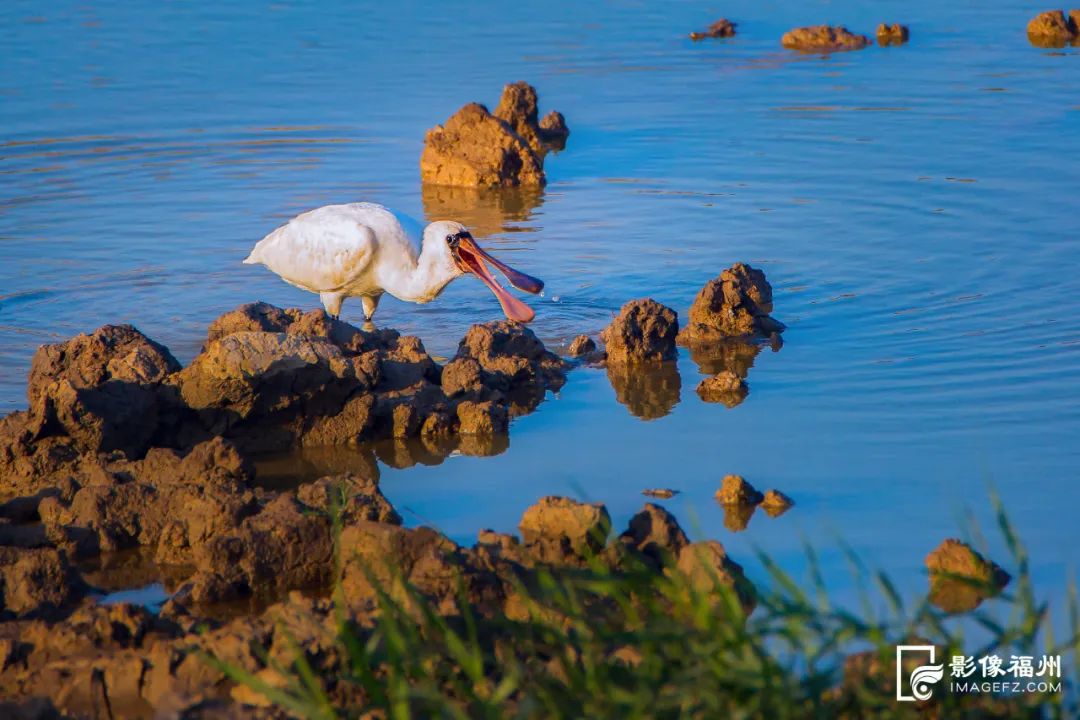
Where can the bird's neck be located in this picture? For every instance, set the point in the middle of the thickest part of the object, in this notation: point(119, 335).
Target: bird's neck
point(420, 278)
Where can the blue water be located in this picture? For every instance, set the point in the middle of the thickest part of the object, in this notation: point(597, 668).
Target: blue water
point(914, 207)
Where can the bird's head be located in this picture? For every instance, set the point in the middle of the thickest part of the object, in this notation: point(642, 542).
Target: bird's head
point(459, 251)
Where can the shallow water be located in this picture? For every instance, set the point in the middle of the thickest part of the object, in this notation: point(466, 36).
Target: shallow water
point(914, 208)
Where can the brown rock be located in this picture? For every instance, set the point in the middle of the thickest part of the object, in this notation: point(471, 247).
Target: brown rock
point(735, 304)
point(462, 376)
point(736, 491)
point(725, 387)
point(662, 493)
point(476, 149)
point(894, 34)
point(553, 130)
point(707, 568)
point(518, 108)
point(353, 497)
point(644, 331)
point(776, 503)
point(722, 28)
point(1053, 28)
point(516, 367)
point(961, 578)
point(581, 345)
point(36, 580)
point(100, 389)
point(482, 418)
point(557, 529)
point(656, 533)
point(823, 38)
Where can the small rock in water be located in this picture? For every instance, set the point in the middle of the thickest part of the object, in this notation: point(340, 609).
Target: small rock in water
point(734, 490)
point(736, 304)
point(581, 345)
point(1053, 28)
point(776, 503)
point(823, 38)
point(662, 493)
point(894, 34)
point(644, 331)
point(725, 387)
point(961, 578)
point(722, 28)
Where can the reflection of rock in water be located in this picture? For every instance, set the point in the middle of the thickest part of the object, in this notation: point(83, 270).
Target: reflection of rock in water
point(733, 356)
point(961, 578)
point(128, 569)
point(649, 391)
point(287, 471)
point(737, 517)
point(485, 211)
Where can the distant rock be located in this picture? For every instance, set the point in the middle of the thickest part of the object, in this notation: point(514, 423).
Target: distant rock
point(1054, 28)
point(776, 503)
point(735, 490)
point(823, 39)
point(722, 28)
point(894, 34)
point(478, 148)
point(961, 578)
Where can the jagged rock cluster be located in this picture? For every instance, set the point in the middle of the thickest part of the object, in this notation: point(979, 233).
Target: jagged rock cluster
point(1054, 28)
point(478, 148)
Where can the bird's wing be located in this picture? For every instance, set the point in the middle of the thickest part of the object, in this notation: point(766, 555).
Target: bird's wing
point(324, 250)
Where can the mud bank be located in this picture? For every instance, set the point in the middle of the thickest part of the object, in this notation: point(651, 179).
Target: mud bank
point(138, 664)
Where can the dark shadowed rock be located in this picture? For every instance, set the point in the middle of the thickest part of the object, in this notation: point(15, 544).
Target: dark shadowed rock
point(722, 28)
point(643, 331)
point(553, 130)
point(823, 38)
point(655, 533)
point(581, 345)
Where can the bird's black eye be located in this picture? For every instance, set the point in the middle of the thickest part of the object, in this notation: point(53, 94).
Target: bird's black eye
point(453, 240)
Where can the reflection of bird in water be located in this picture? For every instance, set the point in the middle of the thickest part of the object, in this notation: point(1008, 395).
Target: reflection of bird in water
point(363, 250)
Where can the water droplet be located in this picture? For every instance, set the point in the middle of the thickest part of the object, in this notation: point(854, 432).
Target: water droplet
point(555, 298)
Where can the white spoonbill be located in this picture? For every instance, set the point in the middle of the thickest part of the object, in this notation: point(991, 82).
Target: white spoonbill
point(364, 249)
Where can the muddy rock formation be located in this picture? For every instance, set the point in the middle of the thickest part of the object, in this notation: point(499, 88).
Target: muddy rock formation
point(556, 529)
point(725, 387)
point(961, 578)
point(734, 305)
point(643, 331)
point(503, 362)
point(823, 39)
point(580, 346)
point(776, 503)
point(476, 148)
point(36, 581)
point(655, 533)
point(722, 28)
point(519, 108)
point(892, 34)
point(735, 490)
point(1054, 29)
point(707, 566)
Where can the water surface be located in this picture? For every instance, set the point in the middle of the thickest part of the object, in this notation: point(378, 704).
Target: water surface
point(914, 208)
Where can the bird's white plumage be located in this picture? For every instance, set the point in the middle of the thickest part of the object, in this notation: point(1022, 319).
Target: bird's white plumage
point(359, 249)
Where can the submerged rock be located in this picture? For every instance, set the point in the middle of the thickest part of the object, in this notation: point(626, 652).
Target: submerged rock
point(894, 34)
point(734, 305)
point(725, 387)
point(961, 578)
point(643, 331)
point(476, 148)
point(1054, 28)
point(823, 38)
point(722, 28)
point(735, 490)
